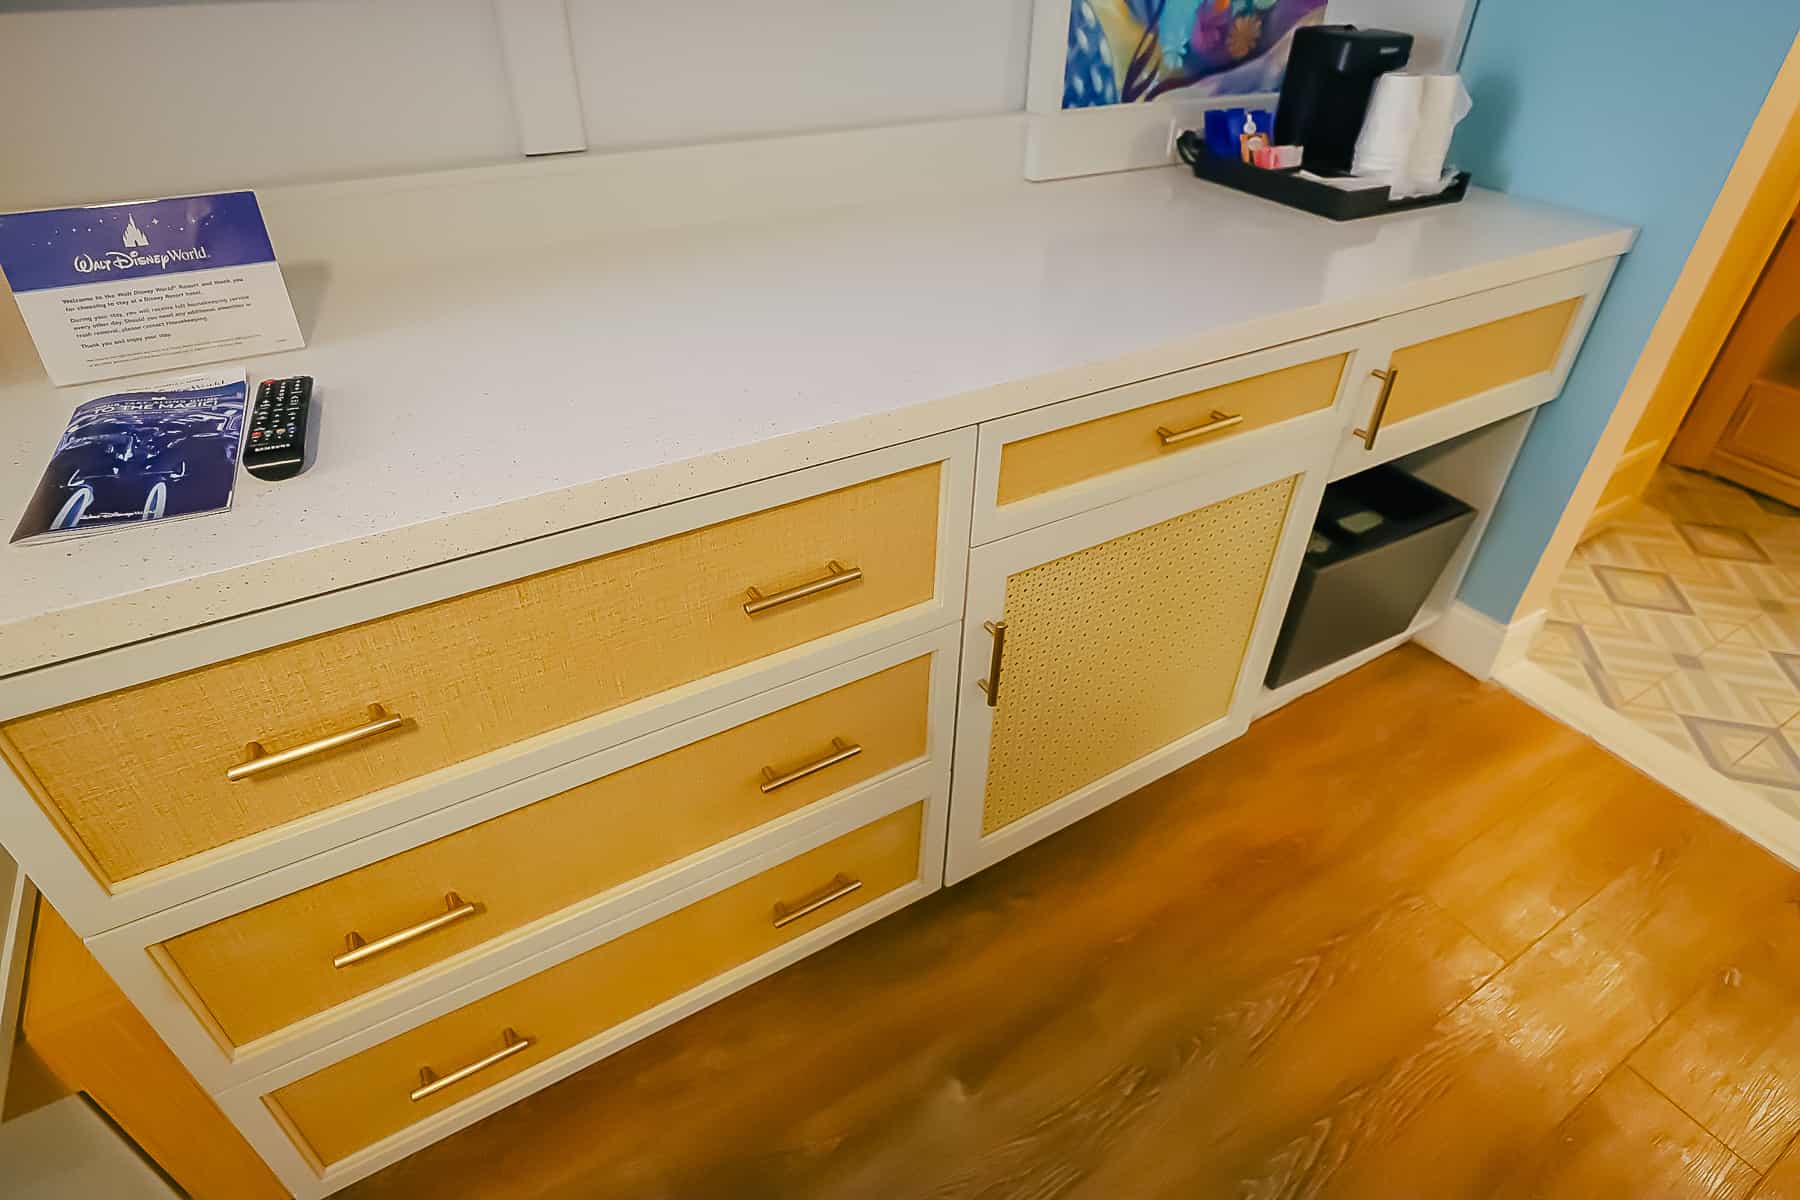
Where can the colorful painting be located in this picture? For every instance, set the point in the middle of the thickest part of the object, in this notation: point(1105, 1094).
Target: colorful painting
point(1129, 51)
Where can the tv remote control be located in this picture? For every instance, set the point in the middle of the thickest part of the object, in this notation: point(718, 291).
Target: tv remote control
point(275, 447)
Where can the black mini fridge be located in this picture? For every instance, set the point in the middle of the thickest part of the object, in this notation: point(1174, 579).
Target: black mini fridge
point(1382, 539)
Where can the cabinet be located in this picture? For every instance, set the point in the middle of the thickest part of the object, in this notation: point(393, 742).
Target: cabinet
point(676, 734)
point(1111, 647)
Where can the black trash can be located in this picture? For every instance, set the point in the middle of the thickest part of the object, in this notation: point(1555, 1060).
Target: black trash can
point(1382, 539)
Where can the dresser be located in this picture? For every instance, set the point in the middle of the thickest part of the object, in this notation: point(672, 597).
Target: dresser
point(419, 782)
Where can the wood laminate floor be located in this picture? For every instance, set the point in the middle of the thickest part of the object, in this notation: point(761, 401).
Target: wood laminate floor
point(1407, 938)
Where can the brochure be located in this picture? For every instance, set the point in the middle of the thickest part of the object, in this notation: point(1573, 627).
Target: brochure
point(165, 451)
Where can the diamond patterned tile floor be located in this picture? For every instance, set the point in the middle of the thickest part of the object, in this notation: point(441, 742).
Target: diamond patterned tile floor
point(1684, 615)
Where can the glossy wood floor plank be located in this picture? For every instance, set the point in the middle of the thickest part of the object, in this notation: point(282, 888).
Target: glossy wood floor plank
point(1551, 852)
point(1381, 946)
point(1731, 1055)
point(1627, 1139)
point(1783, 1179)
point(1507, 1065)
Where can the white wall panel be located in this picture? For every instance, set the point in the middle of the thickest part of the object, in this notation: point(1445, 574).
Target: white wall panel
point(109, 99)
point(107, 102)
point(534, 42)
point(701, 70)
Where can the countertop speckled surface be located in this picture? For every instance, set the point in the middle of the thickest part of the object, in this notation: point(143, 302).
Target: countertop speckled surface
point(469, 399)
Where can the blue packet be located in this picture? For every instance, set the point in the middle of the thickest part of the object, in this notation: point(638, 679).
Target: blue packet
point(1219, 138)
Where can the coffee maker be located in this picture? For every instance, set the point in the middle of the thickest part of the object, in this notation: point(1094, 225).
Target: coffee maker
point(1330, 73)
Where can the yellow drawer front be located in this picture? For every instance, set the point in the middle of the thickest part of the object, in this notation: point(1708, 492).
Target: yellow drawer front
point(1036, 465)
point(1115, 651)
point(359, 1101)
point(1472, 361)
point(138, 777)
point(263, 969)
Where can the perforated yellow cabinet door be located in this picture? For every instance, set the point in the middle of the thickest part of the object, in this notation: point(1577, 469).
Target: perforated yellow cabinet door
point(1117, 650)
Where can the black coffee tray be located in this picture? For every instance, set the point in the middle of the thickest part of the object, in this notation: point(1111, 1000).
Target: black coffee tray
point(1287, 187)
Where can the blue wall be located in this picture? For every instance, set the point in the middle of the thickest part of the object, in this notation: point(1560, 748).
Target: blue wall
point(1633, 109)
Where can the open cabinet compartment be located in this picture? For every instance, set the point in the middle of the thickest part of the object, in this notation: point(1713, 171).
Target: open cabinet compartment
point(1472, 469)
point(1379, 545)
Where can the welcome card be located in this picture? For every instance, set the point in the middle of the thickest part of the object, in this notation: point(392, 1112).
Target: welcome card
point(115, 289)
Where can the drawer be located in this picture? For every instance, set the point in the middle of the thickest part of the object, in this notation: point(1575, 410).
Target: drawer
point(376, 1093)
point(260, 970)
point(1462, 364)
point(1443, 370)
point(137, 779)
point(1054, 462)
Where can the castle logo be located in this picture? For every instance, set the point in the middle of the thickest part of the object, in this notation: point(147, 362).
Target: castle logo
point(132, 256)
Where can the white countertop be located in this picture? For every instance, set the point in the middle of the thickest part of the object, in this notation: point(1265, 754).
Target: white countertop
point(467, 399)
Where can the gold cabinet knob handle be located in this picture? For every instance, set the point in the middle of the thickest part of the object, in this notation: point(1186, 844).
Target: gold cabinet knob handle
point(431, 1083)
point(787, 912)
point(991, 685)
point(1217, 422)
point(1388, 379)
point(257, 760)
point(841, 750)
point(836, 575)
point(356, 948)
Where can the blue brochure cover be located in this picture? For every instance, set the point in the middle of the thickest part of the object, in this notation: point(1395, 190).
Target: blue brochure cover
point(167, 450)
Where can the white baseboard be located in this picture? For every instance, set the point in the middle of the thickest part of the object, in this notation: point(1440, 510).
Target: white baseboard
point(1475, 643)
point(1682, 773)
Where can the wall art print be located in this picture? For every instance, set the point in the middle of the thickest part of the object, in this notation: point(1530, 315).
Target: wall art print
point(1131, 51)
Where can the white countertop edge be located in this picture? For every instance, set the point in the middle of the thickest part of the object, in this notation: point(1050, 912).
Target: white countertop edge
point(118, 621)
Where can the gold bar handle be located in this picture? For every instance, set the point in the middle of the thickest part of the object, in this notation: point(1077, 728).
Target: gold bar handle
point(1218, 420)
point(841, 885)
point(991, 685)
point(431, 1083)
point(836, 575)
point(840, 750)
point(1388, 378)
point(356, 948)
point(257, 760)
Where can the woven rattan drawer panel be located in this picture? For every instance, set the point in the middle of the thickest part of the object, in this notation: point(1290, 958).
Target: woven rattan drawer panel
point(1035, 465)
point(1117, 650)
point(364, 1098)
point(1472, 361)
point(137, 777)
point(270, 966)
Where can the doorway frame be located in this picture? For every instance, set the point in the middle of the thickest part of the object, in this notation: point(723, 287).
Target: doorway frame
point(1758, 198)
